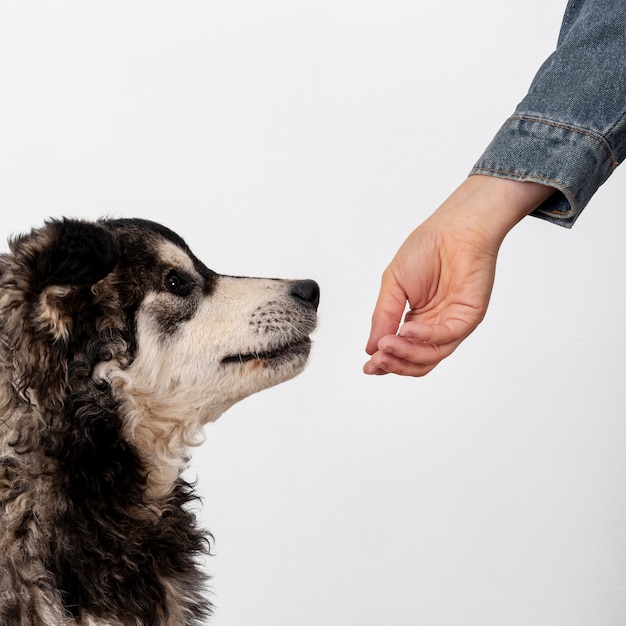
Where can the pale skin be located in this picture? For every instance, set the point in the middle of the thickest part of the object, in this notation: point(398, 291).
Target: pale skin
point(444, 273)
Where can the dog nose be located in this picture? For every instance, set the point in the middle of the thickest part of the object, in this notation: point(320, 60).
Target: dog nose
point(306, 290)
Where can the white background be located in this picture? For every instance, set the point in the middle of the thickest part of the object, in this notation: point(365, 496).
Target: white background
point(306, 139)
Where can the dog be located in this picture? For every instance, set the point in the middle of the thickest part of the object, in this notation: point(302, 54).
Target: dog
point(117, 345)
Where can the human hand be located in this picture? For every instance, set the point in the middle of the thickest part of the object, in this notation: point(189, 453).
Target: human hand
point(445, 271)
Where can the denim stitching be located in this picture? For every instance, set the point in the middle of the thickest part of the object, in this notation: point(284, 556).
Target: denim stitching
point(587, 133)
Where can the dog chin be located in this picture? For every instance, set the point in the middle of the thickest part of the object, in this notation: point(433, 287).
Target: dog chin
point(290, 354)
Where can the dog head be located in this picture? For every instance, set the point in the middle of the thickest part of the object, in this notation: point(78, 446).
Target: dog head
point(121, 313)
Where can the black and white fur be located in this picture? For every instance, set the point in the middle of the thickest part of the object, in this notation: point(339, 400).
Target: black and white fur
point(116, 346)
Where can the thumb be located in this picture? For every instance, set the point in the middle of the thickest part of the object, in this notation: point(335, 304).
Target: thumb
point(387, 314)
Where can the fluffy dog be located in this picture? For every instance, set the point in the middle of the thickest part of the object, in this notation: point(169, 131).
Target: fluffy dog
point(116, 346)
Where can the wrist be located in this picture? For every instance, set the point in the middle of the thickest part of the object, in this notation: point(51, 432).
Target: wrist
point(492, 205)
point(515, 198)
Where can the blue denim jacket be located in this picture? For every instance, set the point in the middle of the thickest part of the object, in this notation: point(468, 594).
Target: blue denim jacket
point(569, 132)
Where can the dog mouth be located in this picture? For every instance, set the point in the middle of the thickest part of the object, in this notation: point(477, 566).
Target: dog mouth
point(287, 351)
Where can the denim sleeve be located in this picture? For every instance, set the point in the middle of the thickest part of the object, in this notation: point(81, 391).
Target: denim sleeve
point(569, 132)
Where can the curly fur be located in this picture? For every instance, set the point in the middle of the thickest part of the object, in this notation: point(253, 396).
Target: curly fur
point(117, 345)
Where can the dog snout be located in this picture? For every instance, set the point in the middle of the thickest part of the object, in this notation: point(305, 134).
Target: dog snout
point(307, 291)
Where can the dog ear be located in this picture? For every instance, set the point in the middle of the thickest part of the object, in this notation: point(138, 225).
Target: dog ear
point(78, 254)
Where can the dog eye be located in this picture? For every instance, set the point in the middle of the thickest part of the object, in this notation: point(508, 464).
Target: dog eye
point(177, 284)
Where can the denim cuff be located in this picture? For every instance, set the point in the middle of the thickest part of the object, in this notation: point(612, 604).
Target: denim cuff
point(575, 161)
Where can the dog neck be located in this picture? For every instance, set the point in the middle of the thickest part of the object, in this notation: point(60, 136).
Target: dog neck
point(163, 444)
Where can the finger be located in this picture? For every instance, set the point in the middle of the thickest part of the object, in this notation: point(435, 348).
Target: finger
point(417, 349)
point(418, 352)
point(373, 369)
point(451, 331)
point(387, 363)
point(387, 314)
